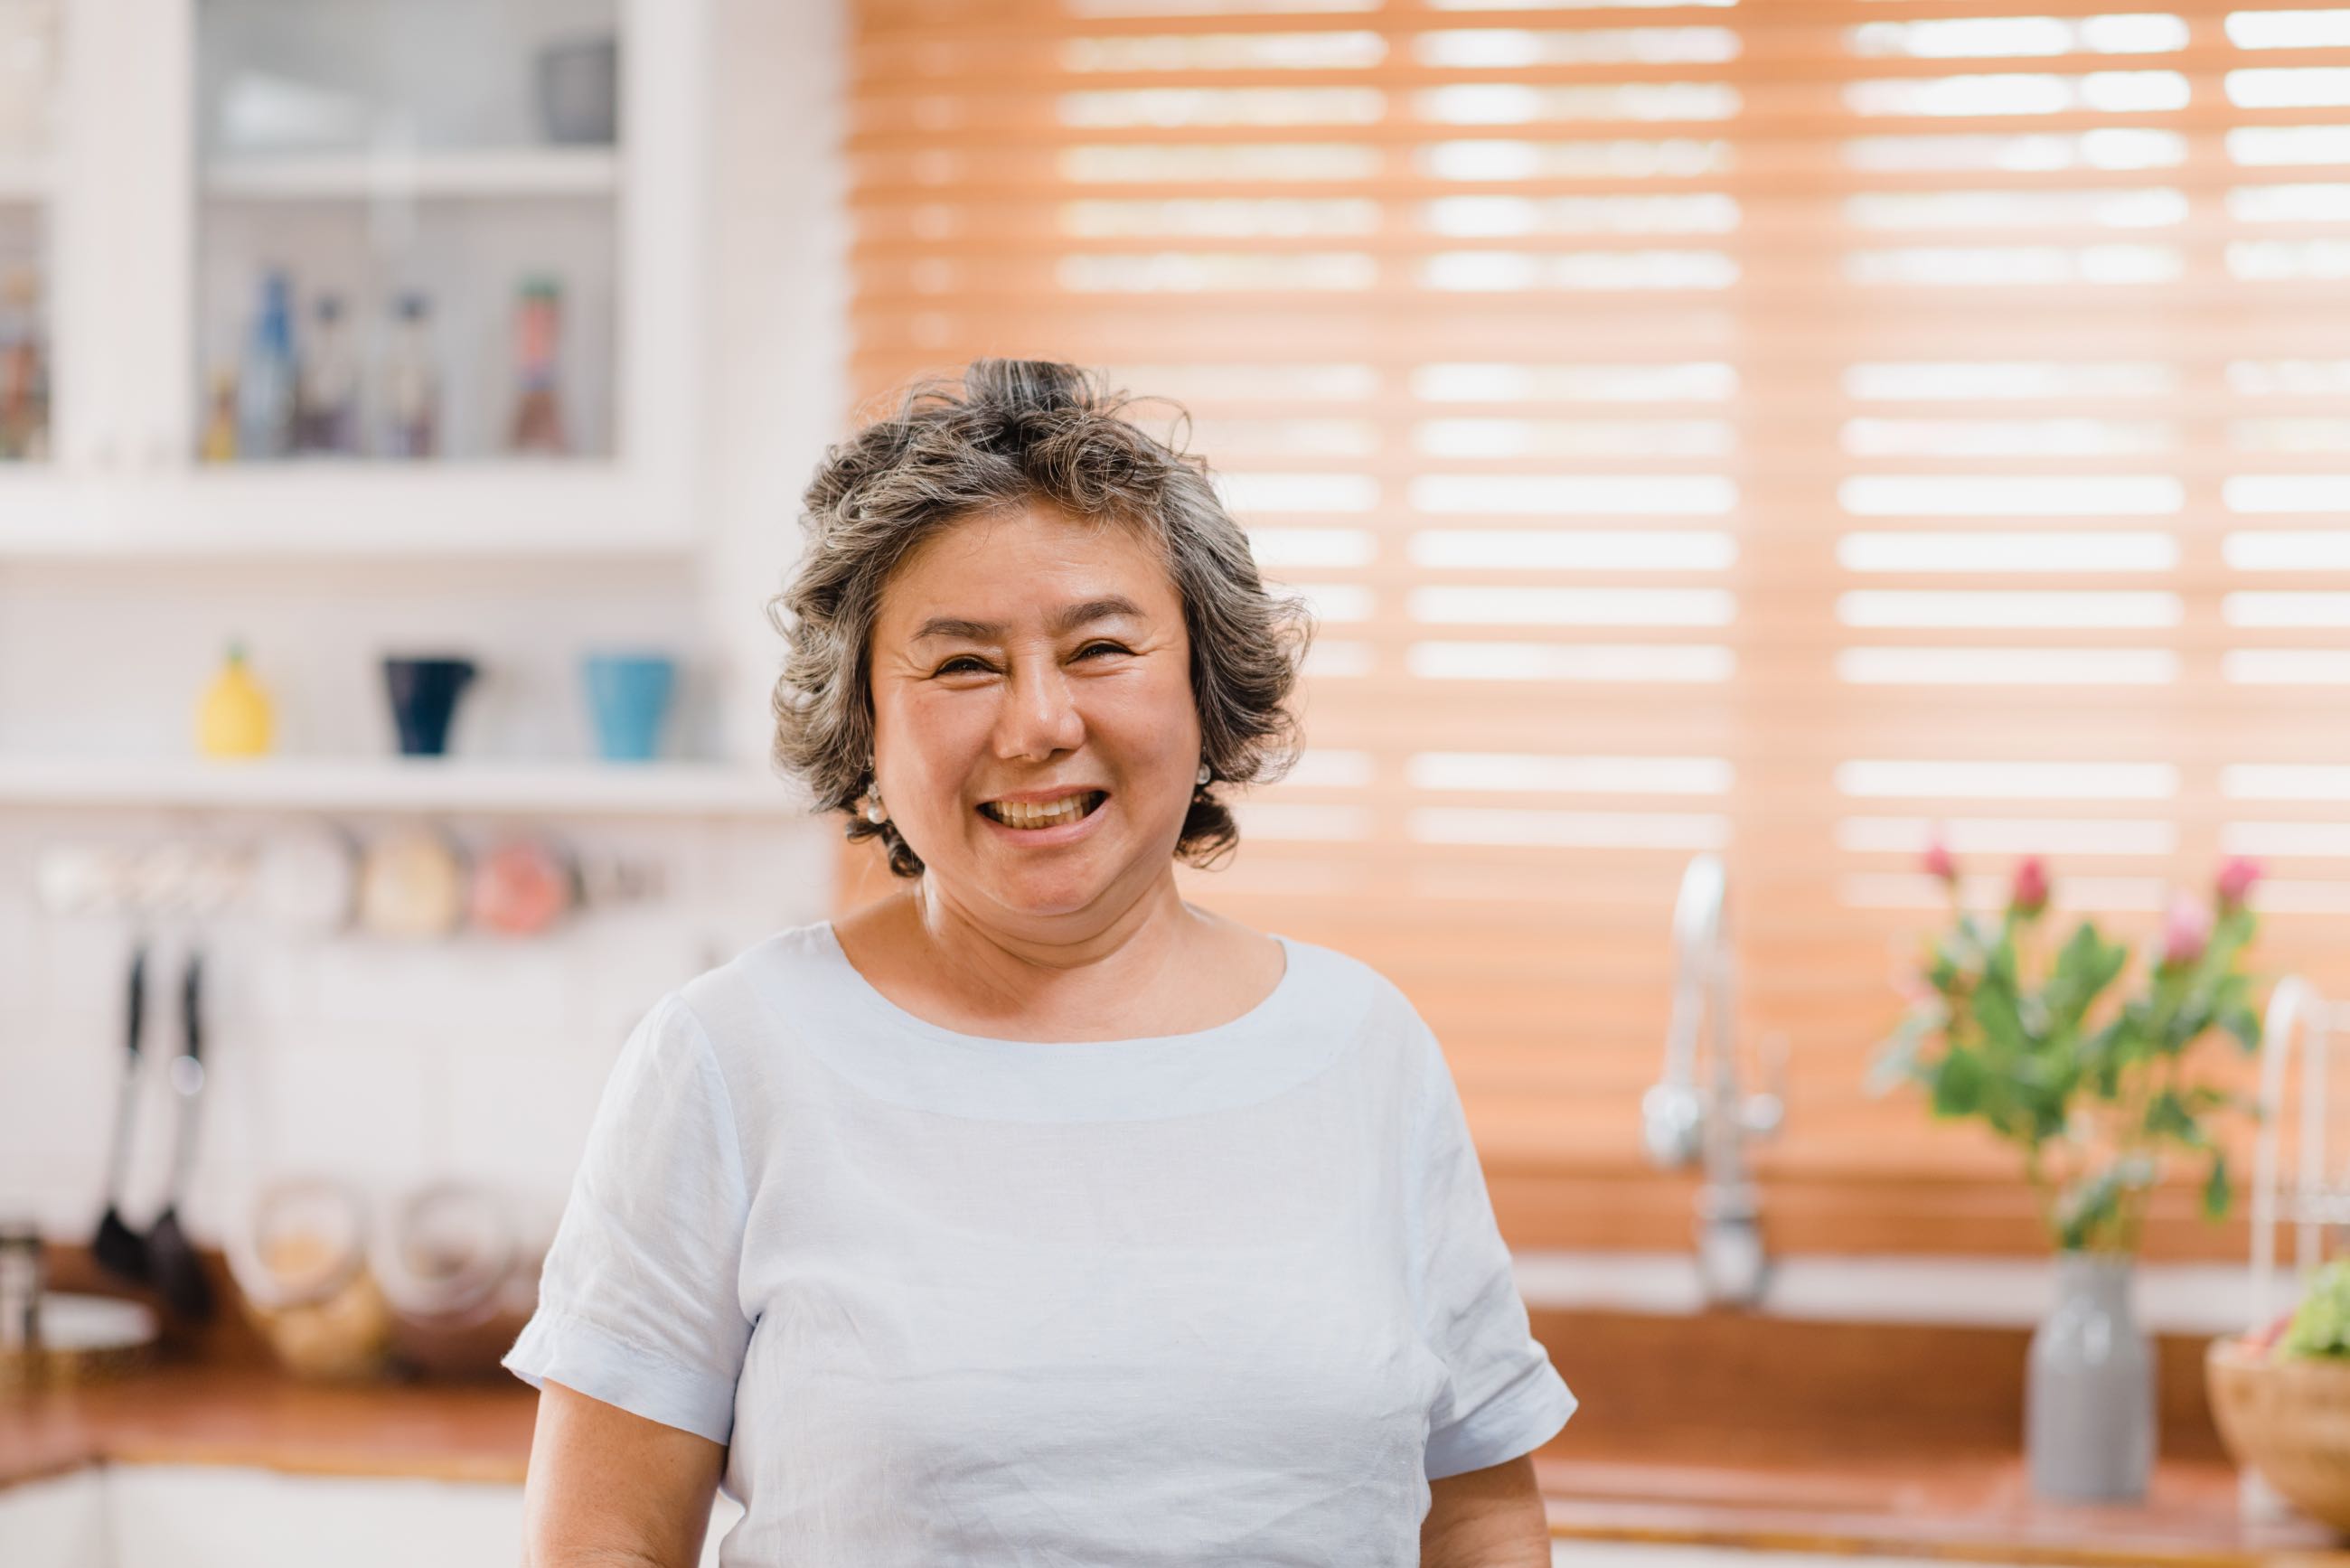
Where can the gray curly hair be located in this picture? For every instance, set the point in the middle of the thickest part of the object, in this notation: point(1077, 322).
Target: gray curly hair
point(1006, 435)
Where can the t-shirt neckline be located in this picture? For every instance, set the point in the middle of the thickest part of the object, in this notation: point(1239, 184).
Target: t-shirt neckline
point(869, 996)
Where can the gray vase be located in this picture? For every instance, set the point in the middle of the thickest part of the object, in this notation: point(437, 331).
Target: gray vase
point(2089, 1395)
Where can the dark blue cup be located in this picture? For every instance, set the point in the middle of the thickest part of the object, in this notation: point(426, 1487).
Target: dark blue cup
point(424, 693)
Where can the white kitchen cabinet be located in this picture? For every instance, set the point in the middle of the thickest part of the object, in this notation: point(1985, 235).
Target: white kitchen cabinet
point(374, 154)
point(58, 1522)
point(221, 1516)
point(206, 1516)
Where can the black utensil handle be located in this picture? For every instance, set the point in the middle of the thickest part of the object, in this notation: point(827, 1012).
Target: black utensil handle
point(126, 1098)
point(138, 1014)
point(191, 990)
point(187, 1076)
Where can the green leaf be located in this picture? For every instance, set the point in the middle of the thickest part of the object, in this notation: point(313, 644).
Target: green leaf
point(2217, 1193)
point(1897, 1058)
point(1959, 1082)
point(2203, 1098)
point(2086, 966)
point(1994, 1008)
point(2105, 1053)
point(2166, 1115)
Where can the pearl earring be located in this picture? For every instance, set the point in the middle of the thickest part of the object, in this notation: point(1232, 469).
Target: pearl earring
point(875, 812)
point(1206, 772)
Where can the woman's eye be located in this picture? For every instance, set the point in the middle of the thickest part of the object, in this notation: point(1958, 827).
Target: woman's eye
point(1091, 649)
point(958, 664)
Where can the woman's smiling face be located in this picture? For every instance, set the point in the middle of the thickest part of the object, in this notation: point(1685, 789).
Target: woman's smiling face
point(1036, 738)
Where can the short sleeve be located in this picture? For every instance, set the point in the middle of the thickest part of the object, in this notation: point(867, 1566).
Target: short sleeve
point(1504, 1397)
point(639, 1301)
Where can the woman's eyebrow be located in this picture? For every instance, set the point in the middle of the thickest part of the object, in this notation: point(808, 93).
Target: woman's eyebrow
point(1065, 620)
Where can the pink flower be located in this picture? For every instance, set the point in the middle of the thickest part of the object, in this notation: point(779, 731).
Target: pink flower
point(2236, 879)
point(2028, 895)
point(2186, 930)
point(1936, 862)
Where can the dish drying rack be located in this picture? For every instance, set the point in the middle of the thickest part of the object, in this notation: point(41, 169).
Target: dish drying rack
point(2299, 1026)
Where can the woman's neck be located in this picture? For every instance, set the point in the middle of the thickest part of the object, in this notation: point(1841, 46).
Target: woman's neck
point(1150, 967)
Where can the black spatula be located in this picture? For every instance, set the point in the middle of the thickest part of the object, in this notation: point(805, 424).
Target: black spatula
point(172, 1259)
point(118, 1249)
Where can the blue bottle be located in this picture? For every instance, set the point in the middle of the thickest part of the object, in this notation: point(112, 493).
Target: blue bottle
point(265, 386)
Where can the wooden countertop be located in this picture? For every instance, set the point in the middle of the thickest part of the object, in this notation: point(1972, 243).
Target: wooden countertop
point(1959, 1506)
point(197, 1415)
point(1957, 1503)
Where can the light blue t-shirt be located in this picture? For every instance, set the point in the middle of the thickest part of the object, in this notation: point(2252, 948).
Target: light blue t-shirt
point(1233, 1296)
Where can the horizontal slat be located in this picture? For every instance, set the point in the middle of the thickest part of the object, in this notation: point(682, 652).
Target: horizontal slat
point(942, 18)
point(1783, 89)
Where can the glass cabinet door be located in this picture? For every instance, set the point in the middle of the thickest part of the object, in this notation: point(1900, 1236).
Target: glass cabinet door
point(406, 229)
point(28, 60)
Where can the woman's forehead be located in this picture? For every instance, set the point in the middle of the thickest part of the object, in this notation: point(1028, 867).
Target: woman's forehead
point(1027, 570)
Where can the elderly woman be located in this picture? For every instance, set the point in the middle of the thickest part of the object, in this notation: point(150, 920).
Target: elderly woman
point(1033, 1214)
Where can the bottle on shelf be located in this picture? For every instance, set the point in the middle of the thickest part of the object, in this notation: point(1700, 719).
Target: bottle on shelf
point(411, 396)
point(326, 389)
point(266, 381)
point(24, 368)
point(538, 409)
point(219, 441)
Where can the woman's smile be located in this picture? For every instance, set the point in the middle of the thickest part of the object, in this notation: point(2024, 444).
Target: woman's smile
point(1032, 812)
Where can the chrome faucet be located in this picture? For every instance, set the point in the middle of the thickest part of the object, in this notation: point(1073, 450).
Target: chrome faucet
point(1698, 1108)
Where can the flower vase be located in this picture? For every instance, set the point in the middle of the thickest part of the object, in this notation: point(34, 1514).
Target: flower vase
point(2089, 1394)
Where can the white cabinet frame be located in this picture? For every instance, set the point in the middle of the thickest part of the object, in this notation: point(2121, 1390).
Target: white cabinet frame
point(125, 480)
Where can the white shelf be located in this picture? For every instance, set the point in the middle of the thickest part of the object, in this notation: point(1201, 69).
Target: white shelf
point(417, 176)
point(338, 509)
point(398, 784)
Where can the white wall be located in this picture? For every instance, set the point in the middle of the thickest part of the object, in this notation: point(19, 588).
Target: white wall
point(392, 1062)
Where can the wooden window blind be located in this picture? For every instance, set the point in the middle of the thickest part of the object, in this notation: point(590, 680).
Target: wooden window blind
point(1763, 428)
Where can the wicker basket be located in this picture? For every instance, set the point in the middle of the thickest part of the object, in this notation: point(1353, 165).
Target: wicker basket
point(2290, 1420)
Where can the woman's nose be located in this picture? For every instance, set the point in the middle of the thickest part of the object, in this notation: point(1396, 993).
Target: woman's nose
point(1040, 713)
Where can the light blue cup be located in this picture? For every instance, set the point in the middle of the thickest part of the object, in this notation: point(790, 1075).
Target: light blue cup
point(629, 694)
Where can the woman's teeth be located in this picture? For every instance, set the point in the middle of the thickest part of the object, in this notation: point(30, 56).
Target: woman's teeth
point(1069, 808)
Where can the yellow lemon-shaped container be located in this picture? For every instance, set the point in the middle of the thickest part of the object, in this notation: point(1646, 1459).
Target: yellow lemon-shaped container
point(234, 719)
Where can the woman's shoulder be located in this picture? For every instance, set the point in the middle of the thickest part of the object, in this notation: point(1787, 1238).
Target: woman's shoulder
point(1315, 966)
point(1335, 969)
point(740, 1001)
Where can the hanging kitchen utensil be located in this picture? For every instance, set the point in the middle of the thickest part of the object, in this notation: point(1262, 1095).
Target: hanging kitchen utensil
point(118, 1248)
point(177, 1272)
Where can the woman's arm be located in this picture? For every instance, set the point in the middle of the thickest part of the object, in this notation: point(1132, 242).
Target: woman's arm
point(1490, 1518)
point(612, 1490)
